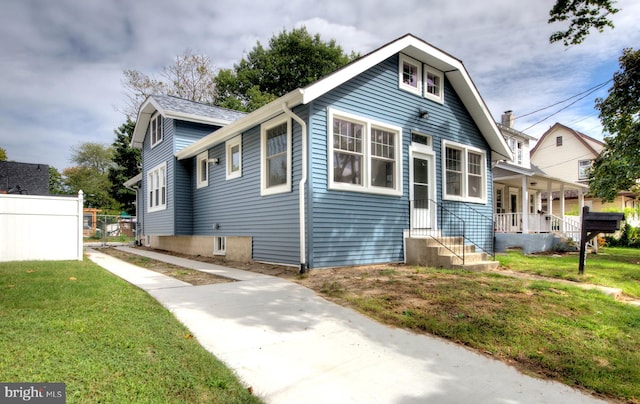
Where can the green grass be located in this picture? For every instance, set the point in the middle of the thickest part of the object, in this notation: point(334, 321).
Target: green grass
point(614, 267)
point(75, 323)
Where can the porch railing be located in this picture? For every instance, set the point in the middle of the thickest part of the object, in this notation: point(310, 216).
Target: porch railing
point(456, 226)
point(569, 226)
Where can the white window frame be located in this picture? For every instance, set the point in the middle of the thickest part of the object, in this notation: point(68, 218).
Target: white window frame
point(202, 161)
point(230, 144)
point(156, 130)
point(367, 156)
point(406, 59)
point(465, 149)
point(219, 245)
point(281, 188)
point(157, 186)
point(439, 98)
point(583, 173)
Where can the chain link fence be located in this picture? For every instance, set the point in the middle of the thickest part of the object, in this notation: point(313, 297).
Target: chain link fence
point(109, 228)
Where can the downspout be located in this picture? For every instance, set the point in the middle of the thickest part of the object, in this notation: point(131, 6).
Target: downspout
point(301, 187)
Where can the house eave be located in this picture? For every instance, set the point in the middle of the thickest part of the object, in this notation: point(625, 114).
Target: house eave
point(453, 68)
point(133, 181)
point(408, 44)
point(150, 106)
point(256, 117)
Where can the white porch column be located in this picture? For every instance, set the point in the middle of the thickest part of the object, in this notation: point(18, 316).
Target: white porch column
point(562, 208)
point(549, 199)
point(580, 202)
point(525, 203)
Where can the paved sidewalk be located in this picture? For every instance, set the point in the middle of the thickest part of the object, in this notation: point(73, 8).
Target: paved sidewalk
point(292, 346)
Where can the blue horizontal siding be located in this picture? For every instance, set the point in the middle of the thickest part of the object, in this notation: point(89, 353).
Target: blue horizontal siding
point(355, 228)
point(188, 132)
point(159, 223)
point(238, 208)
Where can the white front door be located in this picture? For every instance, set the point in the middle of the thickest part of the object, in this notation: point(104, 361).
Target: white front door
point(422, 192)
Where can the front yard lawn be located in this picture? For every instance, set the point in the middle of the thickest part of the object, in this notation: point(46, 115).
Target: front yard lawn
point(614, 267)
point(74, 322)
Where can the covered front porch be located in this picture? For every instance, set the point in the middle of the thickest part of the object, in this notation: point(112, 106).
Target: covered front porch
point(524, 206)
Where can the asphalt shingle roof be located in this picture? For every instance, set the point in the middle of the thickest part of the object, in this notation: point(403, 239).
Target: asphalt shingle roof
point(176, 104)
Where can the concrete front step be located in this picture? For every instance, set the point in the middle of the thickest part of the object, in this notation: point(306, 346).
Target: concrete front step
point(430, 252)
point(479, 266)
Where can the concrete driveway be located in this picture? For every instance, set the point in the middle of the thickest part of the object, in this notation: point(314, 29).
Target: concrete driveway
point(292, 346)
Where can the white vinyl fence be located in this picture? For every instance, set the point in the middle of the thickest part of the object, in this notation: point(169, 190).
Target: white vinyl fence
point(40, 227)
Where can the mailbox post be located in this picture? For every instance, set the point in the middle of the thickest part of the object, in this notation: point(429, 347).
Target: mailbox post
point(594, 223)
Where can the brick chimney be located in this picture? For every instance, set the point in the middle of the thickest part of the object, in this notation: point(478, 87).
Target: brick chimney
point(507, 119)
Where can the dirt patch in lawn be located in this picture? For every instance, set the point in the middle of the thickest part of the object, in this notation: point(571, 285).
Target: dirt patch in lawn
point(184, 274)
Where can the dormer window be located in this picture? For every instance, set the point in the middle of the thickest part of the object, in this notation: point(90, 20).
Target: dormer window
point(433, 80)
point(156, 130)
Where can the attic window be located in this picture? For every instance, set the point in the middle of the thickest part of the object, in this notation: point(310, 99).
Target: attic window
point(433, 82)
point(558, 140)
point(156, 130)
point(410, 74)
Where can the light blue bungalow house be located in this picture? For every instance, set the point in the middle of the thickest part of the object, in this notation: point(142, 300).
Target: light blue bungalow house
point(378, 162)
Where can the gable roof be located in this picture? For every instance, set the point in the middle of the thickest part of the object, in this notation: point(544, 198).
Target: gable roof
point(589, 143)
point(414, 47)
point(179, 108)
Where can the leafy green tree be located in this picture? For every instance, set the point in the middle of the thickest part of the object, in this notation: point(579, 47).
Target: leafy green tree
point(90, 175)
point(293, 59)
point(618, 166)
point(95, 156)
point(583, 15)
point(95, 187)
point(126, 165)
point(3, 154)
point(56, 182)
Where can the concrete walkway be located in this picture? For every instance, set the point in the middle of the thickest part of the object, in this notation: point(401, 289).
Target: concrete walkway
point(292, 346)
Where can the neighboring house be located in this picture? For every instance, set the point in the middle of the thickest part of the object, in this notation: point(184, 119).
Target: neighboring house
point(396, 145)
point(522, 216)
point(24, 178)
point(565, 153)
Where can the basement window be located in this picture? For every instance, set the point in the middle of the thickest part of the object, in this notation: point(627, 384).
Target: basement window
point(219, 245)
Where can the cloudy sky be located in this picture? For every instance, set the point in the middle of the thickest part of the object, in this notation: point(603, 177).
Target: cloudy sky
point(61, 62)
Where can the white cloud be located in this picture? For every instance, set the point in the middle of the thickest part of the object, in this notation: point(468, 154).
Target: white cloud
point(62, 62)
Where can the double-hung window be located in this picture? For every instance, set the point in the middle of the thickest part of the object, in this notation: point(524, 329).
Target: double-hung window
point(465, 173)
point(276, 156)
point(156, 129)
point(157, 187)
point(234, 157)
point(202, 170)
point(364, 155)
point(583, 169)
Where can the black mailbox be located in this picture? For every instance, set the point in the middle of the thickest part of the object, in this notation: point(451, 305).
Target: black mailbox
point(594, 223)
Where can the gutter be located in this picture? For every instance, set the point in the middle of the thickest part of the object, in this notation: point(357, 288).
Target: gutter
point(301, 187)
